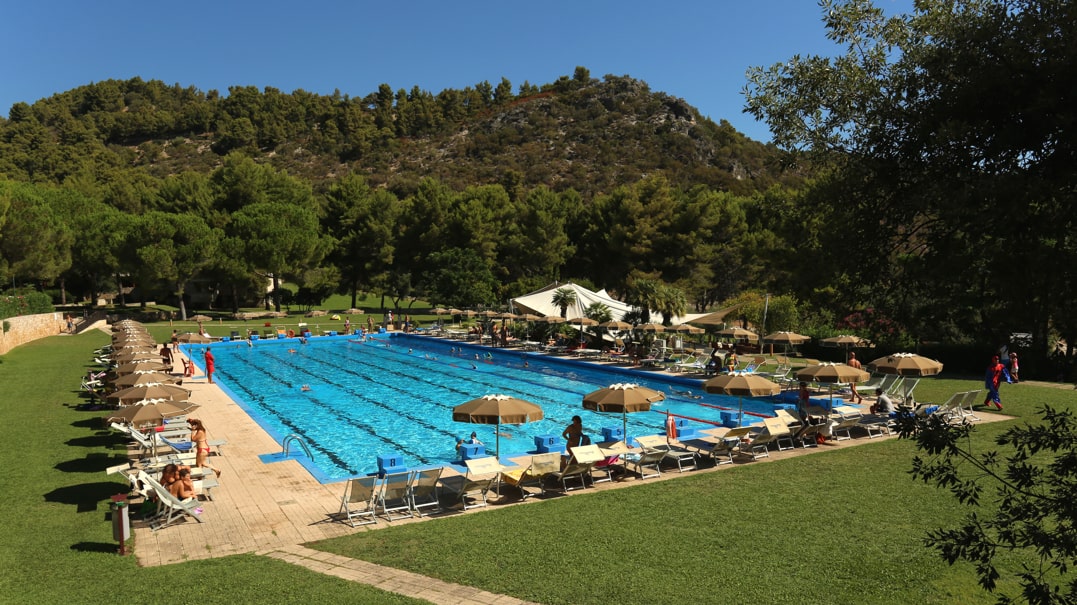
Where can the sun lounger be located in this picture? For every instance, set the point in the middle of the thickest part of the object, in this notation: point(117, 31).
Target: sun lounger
point(579, 466)
point(480, 477)
point(183, 447)
point(170, 509)
point(685, 459)
point(392, 499)
point(423, 490)
point(534, 474)
point(357, 503)
point(719, 444)
point(648, 463)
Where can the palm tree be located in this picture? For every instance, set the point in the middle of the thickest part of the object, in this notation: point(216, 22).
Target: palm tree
point(670, 301)
point(599, 312)
point(564, 297)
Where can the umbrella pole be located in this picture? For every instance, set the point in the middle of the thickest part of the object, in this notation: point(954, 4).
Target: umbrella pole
point(624, 431)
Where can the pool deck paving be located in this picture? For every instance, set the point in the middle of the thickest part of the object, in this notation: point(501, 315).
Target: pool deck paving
point(272, 509)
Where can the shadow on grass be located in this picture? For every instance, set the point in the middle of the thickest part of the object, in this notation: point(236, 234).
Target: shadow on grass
point(89, 423)
point(93, 463)
point(85, 496)
point(104, 440)
point(103, 547)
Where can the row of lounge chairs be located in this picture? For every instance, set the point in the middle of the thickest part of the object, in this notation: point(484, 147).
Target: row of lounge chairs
point(153, 452)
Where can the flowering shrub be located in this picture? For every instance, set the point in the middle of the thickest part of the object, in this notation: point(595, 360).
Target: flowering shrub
point(29, 303)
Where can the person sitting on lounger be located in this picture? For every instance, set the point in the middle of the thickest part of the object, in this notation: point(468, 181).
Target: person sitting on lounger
point(883, 404)
point(183, 486)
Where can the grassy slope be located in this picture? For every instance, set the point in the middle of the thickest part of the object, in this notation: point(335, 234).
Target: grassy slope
point(846, 526)
point(55, 541)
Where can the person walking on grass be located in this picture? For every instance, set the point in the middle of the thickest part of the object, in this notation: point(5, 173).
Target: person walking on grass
point(992, 379)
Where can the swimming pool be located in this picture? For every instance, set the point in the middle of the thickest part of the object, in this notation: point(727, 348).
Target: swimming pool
point(351, 401)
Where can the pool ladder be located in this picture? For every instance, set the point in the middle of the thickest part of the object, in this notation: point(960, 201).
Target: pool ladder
point(294, 438)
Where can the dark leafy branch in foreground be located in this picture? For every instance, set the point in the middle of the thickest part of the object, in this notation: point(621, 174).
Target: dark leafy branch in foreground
point(1034, 488)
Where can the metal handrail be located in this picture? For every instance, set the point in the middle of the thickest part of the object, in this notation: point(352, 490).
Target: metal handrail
point(297, 439)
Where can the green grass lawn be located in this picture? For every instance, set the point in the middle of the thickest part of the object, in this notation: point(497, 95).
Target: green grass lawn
point(846, 526)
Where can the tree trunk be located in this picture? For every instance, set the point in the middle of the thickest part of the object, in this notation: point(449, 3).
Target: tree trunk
point(235, 298)
point(182, 305)
point(119, 290)
point(276, 293)
point(63, 293)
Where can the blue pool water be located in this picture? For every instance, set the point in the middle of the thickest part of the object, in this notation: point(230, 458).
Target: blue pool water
point(394, 396)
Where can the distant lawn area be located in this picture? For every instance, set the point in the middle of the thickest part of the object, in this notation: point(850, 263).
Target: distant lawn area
point(844, 526)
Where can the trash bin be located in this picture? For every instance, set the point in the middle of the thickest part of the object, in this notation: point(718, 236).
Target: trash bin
point(121, 521)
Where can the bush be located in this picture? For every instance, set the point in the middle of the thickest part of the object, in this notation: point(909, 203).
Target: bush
point(30, 303)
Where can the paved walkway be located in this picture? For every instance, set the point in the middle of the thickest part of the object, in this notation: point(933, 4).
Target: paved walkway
point(388, 578)
point(271, 509)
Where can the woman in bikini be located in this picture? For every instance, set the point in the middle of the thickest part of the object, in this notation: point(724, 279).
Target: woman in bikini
point(201, 444)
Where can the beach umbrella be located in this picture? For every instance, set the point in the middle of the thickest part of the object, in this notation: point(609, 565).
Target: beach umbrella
point(581, 322)
point(151, 412)
point(831, 374)
point(686, 328)
point(145, 366)
point(354, 311)
point(200, 317)
point(906, 364)
point(622, 398)
point(742, 385)
point(167, 392)
point(506, 315)
point(552, 319)
point(615, 325)
point(132, 339)
point(738, 333)
point(651, 327)
point(488, 314)
point(125, 355)
point(845, 341)
point(194, 338)
point(528, 317)
point(134, 380)
point(786, 339)
point(497, 409)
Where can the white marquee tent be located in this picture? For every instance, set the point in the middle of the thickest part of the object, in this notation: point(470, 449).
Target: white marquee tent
point(540, 302)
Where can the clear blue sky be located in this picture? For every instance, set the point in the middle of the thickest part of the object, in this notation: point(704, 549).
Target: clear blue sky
point(698, 50)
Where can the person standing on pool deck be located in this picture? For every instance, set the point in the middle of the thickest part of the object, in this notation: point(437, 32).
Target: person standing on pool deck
point(209, 366)
point(854, 363)
point(573, 432)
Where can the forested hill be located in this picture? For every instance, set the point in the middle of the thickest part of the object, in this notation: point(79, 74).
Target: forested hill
point(578, 132)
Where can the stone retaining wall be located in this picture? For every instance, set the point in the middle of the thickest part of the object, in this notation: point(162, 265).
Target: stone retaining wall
point(28, 328)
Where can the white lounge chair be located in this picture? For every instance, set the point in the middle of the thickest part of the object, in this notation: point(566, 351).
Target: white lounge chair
point(357, 503)
point(393, 499)
point(584, 458)
point(534, 474)
point(170, 509)
point(685, 459)
point(480, 477)
point(423, 490)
